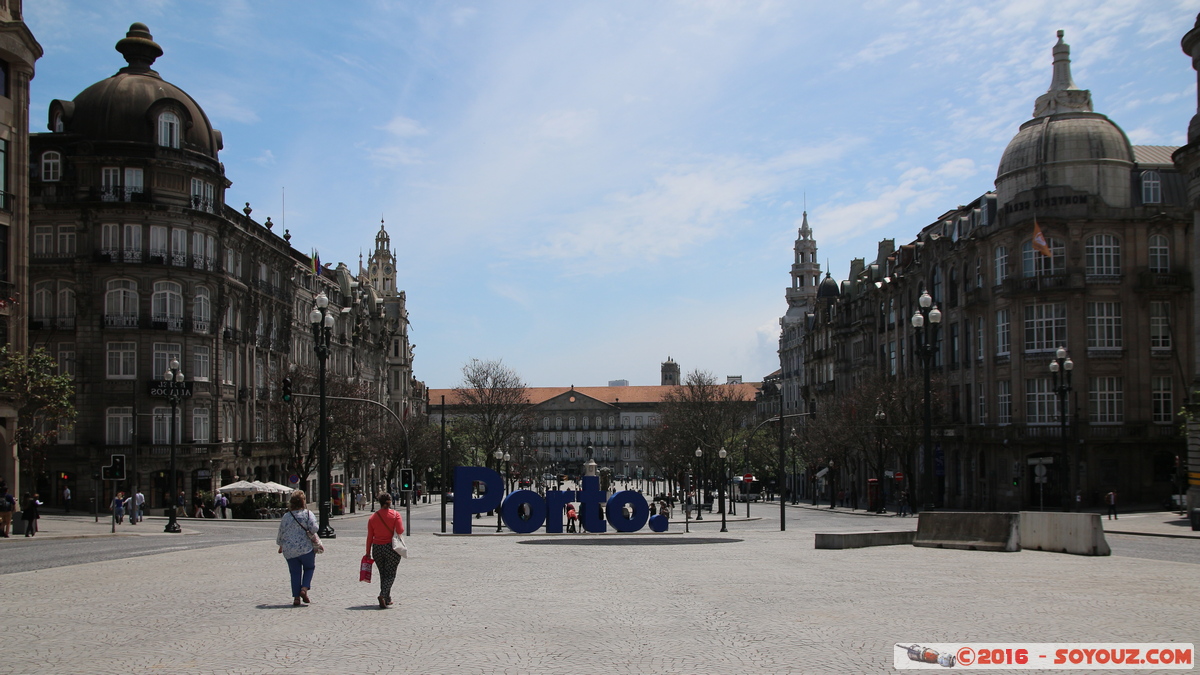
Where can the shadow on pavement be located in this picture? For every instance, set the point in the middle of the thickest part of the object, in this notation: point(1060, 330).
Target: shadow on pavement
point(287, 606)
point(631, 541)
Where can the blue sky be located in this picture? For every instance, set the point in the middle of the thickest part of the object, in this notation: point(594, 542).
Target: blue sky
point(584, 188)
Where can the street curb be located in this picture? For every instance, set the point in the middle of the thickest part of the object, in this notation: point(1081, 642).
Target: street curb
point(1154, 534)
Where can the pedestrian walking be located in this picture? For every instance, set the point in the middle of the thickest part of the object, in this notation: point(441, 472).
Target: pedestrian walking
point(296, 545)
point(222, 502)
point(29, 513)
point(128, 506)
point(139, 505)
point(380, 529)
point(7, 506)
point(1111, 500)
point(67, 498)
point(118, 507)
point(572, 518)
point(902, 504)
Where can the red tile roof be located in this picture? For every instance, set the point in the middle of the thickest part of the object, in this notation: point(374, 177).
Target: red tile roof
point(650, 394)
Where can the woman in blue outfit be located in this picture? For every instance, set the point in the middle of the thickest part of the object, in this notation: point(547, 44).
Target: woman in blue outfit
point(296, 547)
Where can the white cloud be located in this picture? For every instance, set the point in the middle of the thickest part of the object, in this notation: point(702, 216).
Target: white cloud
point(267, 158)
point(404, 127)
point(221, 106)
point(394, 155)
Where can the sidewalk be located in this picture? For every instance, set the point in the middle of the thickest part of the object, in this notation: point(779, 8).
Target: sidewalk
point(1149, 523)
point(56, 524)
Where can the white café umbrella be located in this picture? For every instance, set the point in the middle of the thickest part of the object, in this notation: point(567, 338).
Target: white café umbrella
point(240, 487)
point(277, 487)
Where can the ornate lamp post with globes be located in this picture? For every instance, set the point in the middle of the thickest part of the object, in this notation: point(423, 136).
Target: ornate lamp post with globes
point(175, 392)
point(1060, 369)
point(927, 316)
point(500, 456)
point(322, 327)
point(699, 486)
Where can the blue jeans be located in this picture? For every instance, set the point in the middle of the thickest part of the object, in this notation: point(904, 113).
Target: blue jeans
point(307, 563)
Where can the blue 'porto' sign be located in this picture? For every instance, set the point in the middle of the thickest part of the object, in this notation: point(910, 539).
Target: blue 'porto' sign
point(548, 510)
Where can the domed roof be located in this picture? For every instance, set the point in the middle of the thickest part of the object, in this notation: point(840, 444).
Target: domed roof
point(828, 288)
point(1064, 133)
point(126, 106)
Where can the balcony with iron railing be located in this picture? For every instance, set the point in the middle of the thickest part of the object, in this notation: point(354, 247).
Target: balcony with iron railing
point(1036, 284)
point(166, 322)
point(121, 320)
point(1164, 281)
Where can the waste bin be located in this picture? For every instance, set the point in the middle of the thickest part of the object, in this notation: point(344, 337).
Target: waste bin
point(1196, 519)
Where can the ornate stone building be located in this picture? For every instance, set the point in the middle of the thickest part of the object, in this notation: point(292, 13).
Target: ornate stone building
point(1112, 285)
point(18, 52)
point(137, 261)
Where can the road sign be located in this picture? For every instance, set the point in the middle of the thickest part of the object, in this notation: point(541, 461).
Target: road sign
point(899, 476)
point(822, 472)
point(163, 388)
point(1040, 470)
point(293, 479)
point(748, 478)
point(1041, 460)
point(354, 481)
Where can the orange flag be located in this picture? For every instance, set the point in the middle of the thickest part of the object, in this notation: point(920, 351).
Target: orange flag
point(1039, 241)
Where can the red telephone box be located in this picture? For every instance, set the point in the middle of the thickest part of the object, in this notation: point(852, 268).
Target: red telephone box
point(874, 495)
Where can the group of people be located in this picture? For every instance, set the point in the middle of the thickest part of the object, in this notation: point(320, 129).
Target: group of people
point(134, 505)
point(298, 543)
point(28, 507)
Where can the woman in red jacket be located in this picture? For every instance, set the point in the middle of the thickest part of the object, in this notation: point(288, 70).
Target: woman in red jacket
point(380, 528)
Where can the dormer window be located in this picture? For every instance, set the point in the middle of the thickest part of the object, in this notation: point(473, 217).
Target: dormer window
point(168, 130)
point(1151, 187)
point(57, 126)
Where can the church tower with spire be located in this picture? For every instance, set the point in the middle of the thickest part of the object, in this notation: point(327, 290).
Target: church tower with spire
point(801, 299)
point(381, 268)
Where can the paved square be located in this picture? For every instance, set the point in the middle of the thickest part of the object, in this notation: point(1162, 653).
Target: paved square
point(766, 603)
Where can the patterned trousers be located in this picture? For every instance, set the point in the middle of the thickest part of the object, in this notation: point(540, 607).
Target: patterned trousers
point(386, 560)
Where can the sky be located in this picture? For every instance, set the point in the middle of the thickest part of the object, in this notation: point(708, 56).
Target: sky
point(584, 189)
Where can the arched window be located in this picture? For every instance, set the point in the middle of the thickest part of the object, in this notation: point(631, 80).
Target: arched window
point(66, 307)
point(51, 166)
point(1151, 187)
point(57, 126)
point(43, 301)
point(168, 130)
point(201, 310)
point(167, 304)
point(1102, 255)
point(1034, 263)
point(121, 304)
point(545, 422)
point(1160, 254)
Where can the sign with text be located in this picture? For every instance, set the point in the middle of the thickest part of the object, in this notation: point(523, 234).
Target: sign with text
point(164, 388)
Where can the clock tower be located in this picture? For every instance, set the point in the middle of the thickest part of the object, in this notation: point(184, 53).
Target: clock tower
point(382, 267)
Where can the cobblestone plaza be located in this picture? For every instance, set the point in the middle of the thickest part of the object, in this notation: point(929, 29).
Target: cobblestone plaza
point(752, 600)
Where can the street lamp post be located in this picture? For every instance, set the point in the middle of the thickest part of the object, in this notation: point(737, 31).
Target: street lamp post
point(699, 486)
point(500, 455)
point(724, 476)
point(749, 470)
point(792, 489)
point(371, 484)
point(322, 327)
point(175, 392)
point(1060, 370)
point(880, 420)
point(927, 316)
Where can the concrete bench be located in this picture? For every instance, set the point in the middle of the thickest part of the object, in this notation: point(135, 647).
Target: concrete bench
point(1078, 533)
point(969, 530)
point(839, 540)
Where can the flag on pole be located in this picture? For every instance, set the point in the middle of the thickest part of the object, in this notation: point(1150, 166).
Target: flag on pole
point(316, 262)
point(1039, 241)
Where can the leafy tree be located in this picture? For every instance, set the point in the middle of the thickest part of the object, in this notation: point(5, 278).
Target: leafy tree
point(42, 398)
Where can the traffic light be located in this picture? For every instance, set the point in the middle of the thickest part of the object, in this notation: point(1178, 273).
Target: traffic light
point(1016, 481)
point(406, 480)
point(287, 390)
point(115, 470)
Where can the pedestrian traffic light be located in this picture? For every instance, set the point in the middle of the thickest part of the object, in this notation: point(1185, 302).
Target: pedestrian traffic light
point(406, 480)
point(115, 470)
point(287, 390)
point(1016, 481)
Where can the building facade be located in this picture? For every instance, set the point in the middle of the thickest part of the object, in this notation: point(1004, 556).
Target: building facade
point(1085, 246)
point(18, 52)
point(137, 262)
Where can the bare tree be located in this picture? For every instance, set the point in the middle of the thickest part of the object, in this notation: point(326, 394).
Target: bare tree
point(496, 404)
point(699, 414)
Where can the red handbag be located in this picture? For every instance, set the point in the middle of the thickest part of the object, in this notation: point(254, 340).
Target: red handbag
point(364, 569)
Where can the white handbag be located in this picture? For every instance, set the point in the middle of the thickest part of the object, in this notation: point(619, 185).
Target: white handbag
point(398, 545)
